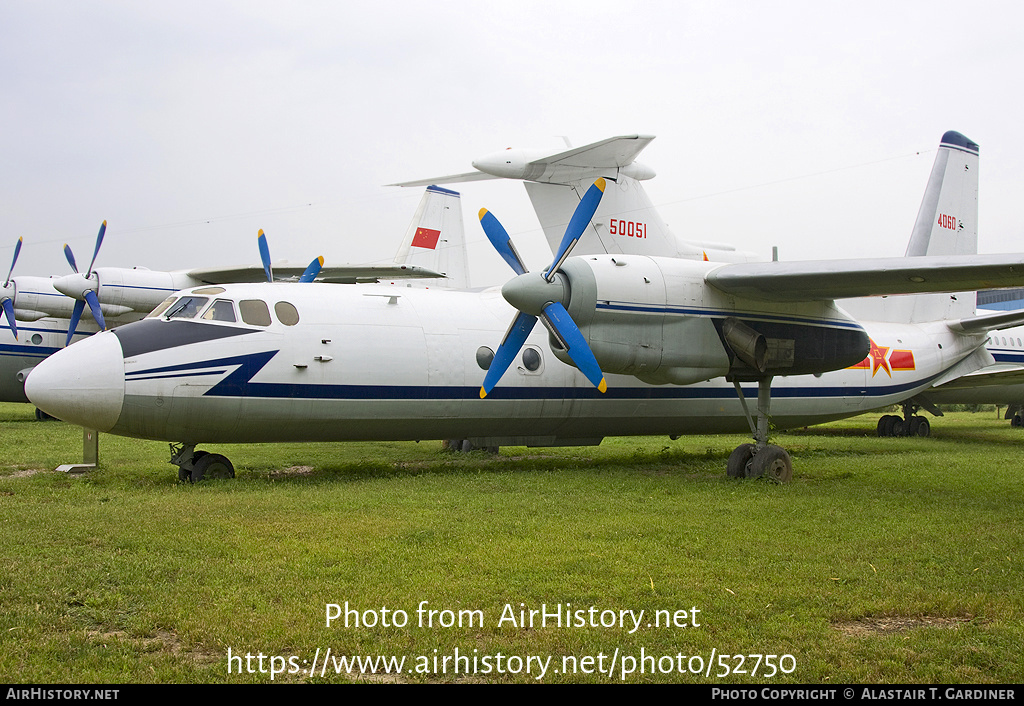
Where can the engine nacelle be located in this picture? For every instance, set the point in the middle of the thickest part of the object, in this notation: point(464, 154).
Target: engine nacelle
point(657, 319)
point(138, 290)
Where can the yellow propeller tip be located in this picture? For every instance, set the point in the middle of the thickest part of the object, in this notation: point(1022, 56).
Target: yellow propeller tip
point(603, 387)
point(483, 212)
point(483, 393)
point(321, 259)
point(104, 222)
point(260, 234)
point(600, 183)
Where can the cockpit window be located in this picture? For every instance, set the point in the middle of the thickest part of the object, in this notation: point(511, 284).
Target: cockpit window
point(186, 307)
point(220, 310)
point(161, 308)
point(287, 314)
point(254, 312)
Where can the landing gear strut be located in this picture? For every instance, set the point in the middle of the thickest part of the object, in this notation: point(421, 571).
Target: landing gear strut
point(909, 425)
point(194, 466)
point(760, 458)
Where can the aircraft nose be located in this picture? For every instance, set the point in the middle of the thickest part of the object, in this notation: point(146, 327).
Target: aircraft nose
point(82, 384)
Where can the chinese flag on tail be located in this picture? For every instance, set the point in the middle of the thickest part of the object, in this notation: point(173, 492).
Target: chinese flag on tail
point(426, 238)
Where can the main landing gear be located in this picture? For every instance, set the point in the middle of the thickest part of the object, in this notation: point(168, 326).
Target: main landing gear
point(909, 425)
point(194, 466)
point(760, 458)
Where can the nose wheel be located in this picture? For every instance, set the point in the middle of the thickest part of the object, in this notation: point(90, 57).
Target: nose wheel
point(194, 466)
point(759, 459)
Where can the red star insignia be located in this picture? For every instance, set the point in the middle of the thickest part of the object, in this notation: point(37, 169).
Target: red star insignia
point(877, 355)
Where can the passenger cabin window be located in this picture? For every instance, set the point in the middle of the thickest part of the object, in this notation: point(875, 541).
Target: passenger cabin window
point(287, 314)
point(161, 307)
point(186, 307)
point(254, 312)
point(220, 310)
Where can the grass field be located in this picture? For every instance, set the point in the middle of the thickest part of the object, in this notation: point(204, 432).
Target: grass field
point(885, 560)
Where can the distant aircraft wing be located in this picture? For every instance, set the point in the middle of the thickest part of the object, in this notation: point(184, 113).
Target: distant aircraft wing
point(844, 279)
point(340, 274)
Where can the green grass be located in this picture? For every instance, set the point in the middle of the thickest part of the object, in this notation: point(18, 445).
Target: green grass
point(885, 560)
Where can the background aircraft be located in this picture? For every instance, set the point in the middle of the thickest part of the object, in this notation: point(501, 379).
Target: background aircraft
point(46, 311)
point(681, 343)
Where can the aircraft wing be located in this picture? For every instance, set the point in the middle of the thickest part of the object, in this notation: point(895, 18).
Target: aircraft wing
point(844, 279)
point(340, 274)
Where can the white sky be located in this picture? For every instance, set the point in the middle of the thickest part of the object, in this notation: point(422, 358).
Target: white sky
point(190, 125)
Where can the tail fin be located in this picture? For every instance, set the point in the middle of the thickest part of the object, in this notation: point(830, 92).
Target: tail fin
point(947, 224)
point(436, 239)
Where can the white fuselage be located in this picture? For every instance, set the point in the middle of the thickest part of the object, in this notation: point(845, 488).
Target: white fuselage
point(379, 362)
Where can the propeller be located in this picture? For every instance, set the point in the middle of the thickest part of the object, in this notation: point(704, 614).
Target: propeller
point(8, 299)
point(89, 293)
point(308, 276)
point(313, 270)
point(539, 295)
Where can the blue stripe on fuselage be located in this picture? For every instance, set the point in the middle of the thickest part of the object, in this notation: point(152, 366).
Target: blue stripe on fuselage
point(239, 384)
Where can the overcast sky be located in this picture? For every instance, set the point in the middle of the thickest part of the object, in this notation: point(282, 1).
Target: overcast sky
point(191, 125)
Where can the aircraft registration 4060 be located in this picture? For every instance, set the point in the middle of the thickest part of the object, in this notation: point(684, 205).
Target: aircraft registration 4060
point(682, 342)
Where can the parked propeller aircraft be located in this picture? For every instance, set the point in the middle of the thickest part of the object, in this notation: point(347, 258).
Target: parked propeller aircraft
point(640, 343)
point(553, 187)
point(432, 253)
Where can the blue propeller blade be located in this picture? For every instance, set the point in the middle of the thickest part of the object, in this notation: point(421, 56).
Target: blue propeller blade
point(575, 345)
point(577, 224)
point(9, 311)
point(96, 250)
point(94, 306)
point(499, 239)
point(70, 257)
point(313, 270)
point(14, 260)
point(76, 314)
point(554, 314)
point(508, 350)
point(265, 255)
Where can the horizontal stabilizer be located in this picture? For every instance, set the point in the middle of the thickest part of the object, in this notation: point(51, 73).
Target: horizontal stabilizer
point(341, 274)
point(989, 376)
point(989, 322)
point(612, 152)
point(839, 279)
point(613, 156)
point(450, 179)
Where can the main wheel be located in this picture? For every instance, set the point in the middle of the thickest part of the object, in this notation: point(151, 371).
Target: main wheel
point(738, 461)
point(1016, 421)
point(774, 463)
point(919, 426)
point(885, 424)
point(212, 466)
